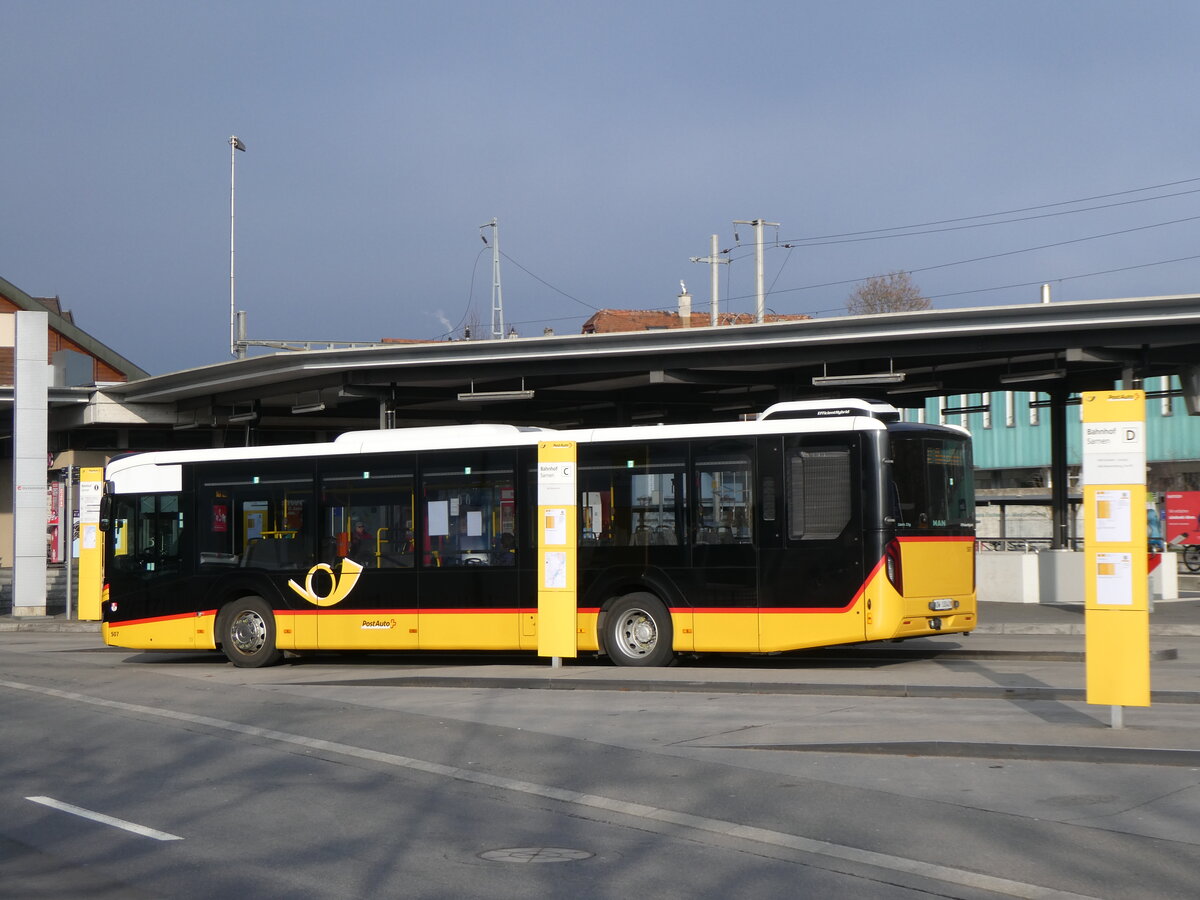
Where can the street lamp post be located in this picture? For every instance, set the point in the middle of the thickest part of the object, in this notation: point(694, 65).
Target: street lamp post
point(235, 347)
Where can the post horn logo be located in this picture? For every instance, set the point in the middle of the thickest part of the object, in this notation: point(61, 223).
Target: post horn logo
point(341, 586)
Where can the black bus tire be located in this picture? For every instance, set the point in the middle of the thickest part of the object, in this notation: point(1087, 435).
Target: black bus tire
point(248, 633)
point(1191, 557)
point(638, 631)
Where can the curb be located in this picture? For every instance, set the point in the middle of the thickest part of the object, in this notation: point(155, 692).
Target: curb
point(60, 624)
point(1026, 628)
point(1136, 756)
point(47, 624)
point(912, 691)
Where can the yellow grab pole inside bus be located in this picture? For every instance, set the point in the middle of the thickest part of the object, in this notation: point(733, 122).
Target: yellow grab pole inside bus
point(557, 620)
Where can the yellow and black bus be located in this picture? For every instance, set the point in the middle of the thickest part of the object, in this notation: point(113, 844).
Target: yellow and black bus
point(817, 523)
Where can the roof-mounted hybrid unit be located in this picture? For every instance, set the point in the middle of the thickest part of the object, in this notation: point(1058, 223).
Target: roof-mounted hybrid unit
point(829, 409)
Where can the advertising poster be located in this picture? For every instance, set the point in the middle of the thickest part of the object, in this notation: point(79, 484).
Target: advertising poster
point(1183, 517)
point(54, 522)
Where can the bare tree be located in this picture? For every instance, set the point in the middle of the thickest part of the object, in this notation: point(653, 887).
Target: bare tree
point(895, 292)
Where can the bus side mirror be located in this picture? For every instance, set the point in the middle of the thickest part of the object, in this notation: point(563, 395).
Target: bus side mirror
point(106, 502)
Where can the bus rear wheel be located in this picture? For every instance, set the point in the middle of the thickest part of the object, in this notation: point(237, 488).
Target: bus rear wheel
point(248, 633)
point(638, 631)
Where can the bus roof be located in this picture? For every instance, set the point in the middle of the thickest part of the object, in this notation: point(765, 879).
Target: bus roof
point(796, 417)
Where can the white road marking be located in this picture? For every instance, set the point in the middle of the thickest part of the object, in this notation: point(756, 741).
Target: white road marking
point(105, 820)
point(765, 836)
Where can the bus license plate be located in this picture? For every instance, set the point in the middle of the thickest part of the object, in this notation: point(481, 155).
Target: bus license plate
point(941, 605)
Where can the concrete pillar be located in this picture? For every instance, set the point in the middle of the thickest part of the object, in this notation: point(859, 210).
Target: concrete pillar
point(31, 379)
point(1059, 488)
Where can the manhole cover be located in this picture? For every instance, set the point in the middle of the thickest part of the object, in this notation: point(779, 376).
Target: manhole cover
point(535, 855)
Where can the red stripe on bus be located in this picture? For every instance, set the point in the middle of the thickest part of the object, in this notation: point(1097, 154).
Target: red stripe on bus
point(723, 610)
point(462, 612)
point(345, 612)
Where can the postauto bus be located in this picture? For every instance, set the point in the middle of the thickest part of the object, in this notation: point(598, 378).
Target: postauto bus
point(816, 523)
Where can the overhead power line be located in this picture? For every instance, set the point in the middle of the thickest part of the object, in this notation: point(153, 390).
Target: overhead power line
point(954, 224)
point(1010, 212)
point(548, 284)
point(1161, 262)
point(816, 242)
point(990, 256)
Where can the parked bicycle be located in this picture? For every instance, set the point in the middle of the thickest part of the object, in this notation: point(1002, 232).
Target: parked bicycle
point(1191, 552)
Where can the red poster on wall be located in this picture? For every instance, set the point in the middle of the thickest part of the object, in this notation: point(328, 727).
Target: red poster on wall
point(1183, 517)
point(54, 514)
point(220, 518)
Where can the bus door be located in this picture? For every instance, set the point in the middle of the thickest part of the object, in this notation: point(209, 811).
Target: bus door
point(811, 564)
point(255, 535)
point(145, 558)
point(634, 529)
point(466, 545)
point(366, 553)
point(721, 583)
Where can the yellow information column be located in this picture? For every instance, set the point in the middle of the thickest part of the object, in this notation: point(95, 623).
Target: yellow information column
point(1117, 617)
point(91, 543)
point(557, 619)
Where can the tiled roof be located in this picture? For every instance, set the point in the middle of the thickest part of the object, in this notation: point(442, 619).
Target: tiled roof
point(608, 321)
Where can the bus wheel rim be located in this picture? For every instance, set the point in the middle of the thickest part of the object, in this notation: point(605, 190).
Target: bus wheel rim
point(249, 632)
point(639, 635)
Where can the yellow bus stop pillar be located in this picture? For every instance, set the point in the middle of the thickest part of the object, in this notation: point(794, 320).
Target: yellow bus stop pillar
point(557, 619)
point(91, 543)
point(1116, 623)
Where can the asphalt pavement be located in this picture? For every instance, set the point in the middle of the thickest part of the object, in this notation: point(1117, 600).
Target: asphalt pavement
point(1023, 671)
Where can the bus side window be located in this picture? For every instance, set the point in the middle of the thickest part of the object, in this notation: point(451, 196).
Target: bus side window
point(367, 514)
point(725, 498)
point(633, 495)
point(468, 509)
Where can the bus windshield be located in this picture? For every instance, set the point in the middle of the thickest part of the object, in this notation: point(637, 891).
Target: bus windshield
point(933, 488)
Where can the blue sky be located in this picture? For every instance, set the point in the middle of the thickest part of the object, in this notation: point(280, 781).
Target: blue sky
point(610, 141)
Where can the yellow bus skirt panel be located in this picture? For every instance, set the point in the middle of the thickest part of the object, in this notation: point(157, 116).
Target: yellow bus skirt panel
point(793, 630)
point(357, 629)
point(683, 624)
point(296, 629)
point(476, 629)
point(586, 629)
point(205, 625)
point(734, 630)
point(161, 633)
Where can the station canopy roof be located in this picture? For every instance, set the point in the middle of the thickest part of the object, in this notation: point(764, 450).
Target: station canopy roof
point(691, 374)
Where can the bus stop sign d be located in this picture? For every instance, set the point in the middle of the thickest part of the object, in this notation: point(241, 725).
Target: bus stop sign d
point(1116, 614)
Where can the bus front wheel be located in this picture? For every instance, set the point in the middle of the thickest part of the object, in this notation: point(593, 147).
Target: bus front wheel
point(638, 631)
point(248, 633)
